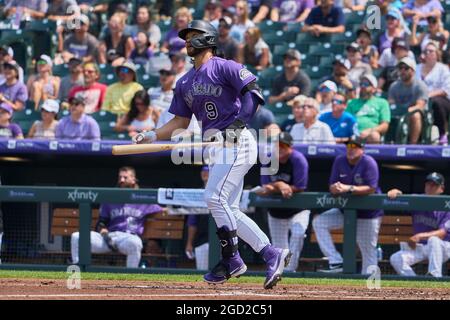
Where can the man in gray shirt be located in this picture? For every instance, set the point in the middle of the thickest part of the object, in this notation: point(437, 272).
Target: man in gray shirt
point(409, 94)
point(80, 44)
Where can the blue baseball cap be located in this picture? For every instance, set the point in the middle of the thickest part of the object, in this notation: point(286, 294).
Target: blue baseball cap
point(6, 107)
point(394, 14)
point(205, 168)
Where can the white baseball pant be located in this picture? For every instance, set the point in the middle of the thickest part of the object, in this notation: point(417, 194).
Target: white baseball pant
point(202, 256)
point(228, 167)
point(436, 251)
point(279, 233)
point(366, 237)
point(126, 243)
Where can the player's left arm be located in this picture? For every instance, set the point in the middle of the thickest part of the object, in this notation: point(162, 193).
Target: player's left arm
point(440, 233)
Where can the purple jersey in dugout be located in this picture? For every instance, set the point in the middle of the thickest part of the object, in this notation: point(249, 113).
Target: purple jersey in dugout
point(364, 173)
point(127, 217)
point(212, 93)
point(426, 221)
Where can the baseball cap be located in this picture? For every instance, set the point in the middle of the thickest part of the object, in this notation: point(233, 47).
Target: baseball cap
point(394, 14)
point(76, 101)
point(354, 46)
point(6, 107)
point(357, 140)
point(285, 138)
point(343, 62)
point(328, 86)
point(365, 31)
point(45, 59)
point(84, 19)
point(402, 43)
point(436, 178)
point(167, 71)
point(129, 65)
point(8, 50)
point(293, 53)
point(50, 105)
point(371, 78)
point(205, 168)
point(409, 62)
point(73, 62)
point(227, 21)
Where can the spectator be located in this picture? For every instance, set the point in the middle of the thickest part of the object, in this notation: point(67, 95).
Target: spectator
point(409, 95)
point(77, 125)
point(341, 68)
point(146, 25)
point(8, 130)
point(7, 55)
point(120, 225)
point(293, 81)
point(421, 10)
point(142, 51)
point(292, 177)
point(393, 30)
point(435, 30)
point(431, 234)
point(291, 10)
point(385, 8)
point(62, 10)
point(46, 127)
point(178, 61)
point(35, 9)
point(354, 173)
point(242, 23)
point(372, 113)
point(358, 68)
point(369, 52)
point(91, 92)
point(256, 51)
point(325, 95)
point(325, 18)
point(259, 10)
point(80, 44)
point(342, 124)
point(172, 42)
point(197, 242)
point(263, 122)
point(389, 60)
point(161, 97)
point(73, 79)
point(311, 130)
point(297, 113)
point(213, 12)
point(43, 86)
point(141, 117)
point(226, 45)
point(118, 95)
point(116, 46)
point(12, 91)
point(436, 76)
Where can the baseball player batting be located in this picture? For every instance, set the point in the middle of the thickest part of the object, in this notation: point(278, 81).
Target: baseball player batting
point(224, 96)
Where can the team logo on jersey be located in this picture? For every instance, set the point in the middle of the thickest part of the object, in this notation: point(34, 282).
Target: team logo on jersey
point(244, 74)
point(358, 179)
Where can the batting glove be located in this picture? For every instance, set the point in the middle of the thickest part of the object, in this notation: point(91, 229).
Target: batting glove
point(145, 137)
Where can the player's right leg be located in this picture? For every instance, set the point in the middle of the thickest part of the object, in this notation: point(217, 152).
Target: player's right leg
point(438, 253)
point(279, 231)
point(202, 256)
point(130, 245)
point(367, 238)
point(98, 245)
point(298, 226)
point(323, 223)
point(402, 261)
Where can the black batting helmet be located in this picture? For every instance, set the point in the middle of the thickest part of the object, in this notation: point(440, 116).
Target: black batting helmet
point(209, 37)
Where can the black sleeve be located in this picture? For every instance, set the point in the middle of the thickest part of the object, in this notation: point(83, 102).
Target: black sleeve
point(102, 224)
point(304, 84)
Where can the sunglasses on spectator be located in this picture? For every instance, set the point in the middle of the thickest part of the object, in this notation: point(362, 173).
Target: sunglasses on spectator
point(124, 70)
point(307, 106)
point(428, 51)
point(338, 101)
point(352, 146)
point(403, 67)
point(88, 71)
point(365, 84)
point(324, 89)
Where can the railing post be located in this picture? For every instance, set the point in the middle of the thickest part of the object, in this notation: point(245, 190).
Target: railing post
point(214, 245)
point(84, 248)
point(349, 246)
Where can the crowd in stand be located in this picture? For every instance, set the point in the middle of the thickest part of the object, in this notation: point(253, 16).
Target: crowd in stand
point(397, 71)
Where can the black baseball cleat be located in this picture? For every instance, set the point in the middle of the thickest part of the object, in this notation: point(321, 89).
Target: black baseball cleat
point(333, 268)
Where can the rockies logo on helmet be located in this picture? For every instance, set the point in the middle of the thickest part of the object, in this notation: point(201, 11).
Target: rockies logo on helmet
point(208, 38)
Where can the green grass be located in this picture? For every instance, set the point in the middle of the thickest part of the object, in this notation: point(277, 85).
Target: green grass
point(198, 278)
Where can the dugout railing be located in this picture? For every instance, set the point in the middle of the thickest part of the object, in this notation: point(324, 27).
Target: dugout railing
point(85, 198)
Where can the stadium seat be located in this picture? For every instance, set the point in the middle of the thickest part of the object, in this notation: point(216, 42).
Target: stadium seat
point(316, 72)
point(306, 37)
point(279, 108)
point(26, 115)
point(165, 26)
point(104, 116)
point(106, 68)
point(343, 38)
point(354, 17)
point(107, 127)
point(270, 26)
point(108, 79)
point(266, 76)
point(148, 81)
point(44, 25)
point(325, 49)
point(25, 125)
point(278, 37)
point(60, 70)
point(116, 136)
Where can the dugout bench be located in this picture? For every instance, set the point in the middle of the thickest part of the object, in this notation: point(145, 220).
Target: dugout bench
point(159, 226)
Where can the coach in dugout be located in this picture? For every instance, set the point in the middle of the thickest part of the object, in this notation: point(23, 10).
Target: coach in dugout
point(431, 239)
point(352, 174)
point(292, 177)
point(120, 225)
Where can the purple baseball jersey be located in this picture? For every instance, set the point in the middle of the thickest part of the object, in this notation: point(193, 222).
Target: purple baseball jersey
point(127, 217)
point(293, 172)
point(212, 93)
point(364, 173)
point(426, 221)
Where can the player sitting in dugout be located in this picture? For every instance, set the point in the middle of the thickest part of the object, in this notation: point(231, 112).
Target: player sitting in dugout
point(120, 226)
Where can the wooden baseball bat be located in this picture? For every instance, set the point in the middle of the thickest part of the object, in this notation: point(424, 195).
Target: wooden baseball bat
point(125, 149)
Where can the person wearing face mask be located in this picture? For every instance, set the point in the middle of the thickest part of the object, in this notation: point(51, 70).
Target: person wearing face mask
point(120, 225)
point(354, 173)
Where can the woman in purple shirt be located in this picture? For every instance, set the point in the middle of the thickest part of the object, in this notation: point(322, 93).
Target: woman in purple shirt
point(431, 239)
